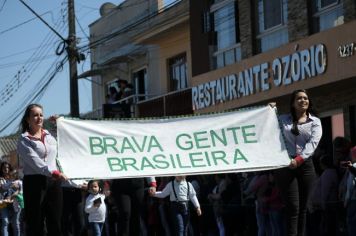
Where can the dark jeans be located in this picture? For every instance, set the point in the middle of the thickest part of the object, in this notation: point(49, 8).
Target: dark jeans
point(180, 218)
point(351, 217)
point(97, 228)
point(43, 201)
point(73, 221)
point(296, 186)
point(128, 195)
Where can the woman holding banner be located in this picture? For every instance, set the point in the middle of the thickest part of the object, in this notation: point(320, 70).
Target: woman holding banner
point(302, 131)
point(42, 189)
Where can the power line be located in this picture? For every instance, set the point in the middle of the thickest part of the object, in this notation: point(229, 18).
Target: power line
point(16, 63)
point(81, 28)
point(32, 96)
point(127, 28)
point(2, 7)
point(134, 25)
point(12, 87)
point(39, 17)
point(18, 25)
point(22, 52)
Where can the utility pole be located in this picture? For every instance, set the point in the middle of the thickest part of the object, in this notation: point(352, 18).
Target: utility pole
point(73, 56)
point(73, 60)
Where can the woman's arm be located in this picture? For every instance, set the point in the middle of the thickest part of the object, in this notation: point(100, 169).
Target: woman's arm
point(153, 185)
point(311, 145)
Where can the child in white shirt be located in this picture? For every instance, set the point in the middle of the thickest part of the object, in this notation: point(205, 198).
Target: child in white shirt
point(96, 207)
point(180, 192)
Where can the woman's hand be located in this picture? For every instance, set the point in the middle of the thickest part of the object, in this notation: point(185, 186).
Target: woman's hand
point(57, 175)
point(151, 191)
point(63, 177)
point(293, 164)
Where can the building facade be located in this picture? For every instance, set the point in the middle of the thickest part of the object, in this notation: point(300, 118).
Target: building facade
point(215, 55)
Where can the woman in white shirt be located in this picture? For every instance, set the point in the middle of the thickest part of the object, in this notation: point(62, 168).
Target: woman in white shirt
point(302, 131)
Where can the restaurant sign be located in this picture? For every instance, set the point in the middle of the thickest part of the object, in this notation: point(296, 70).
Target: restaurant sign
point(282, 71)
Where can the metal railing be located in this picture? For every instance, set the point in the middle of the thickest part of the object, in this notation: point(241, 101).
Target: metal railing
point(169, 104)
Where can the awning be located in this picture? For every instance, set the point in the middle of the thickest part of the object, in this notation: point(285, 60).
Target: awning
point(90, 73)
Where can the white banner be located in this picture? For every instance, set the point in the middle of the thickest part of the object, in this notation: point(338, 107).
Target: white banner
point(246, 140)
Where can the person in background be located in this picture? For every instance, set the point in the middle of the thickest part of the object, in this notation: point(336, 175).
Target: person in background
point(274, 203)
point(302, 131)
point(126, 90)
point(73, 219)
point(42, 190)
point(113, 95)
point(128, 195)
point(180, 192)
point(163, 208)
point(215, 199)
point(95, 206)
point(341, 153)
point(258, 186)
point(10, 188)
point(350, 197)
point(329, 184)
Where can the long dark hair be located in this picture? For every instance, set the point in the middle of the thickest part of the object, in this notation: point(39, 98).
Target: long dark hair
point(310, 109)
point(24, 124)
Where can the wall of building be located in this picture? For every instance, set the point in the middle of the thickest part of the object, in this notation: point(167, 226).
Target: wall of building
point(337, 68)
point(200, 40)
point(246, 24)
point(167, 45)
point(298, 18)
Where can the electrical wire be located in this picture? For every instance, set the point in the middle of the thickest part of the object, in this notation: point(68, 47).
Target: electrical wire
point(21, 24)
point(81, 28)
point(16, 63)
point(111, 36)
point(26, 71)
point(22, 52)
point(2, 6)
point(32, 97)
point(127, 28)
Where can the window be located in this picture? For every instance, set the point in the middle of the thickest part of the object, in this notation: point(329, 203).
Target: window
point(272, 14)
point(178, 73)
point(327, 3)
point(326, 14)
point(140, 78)
point(227, 34)
point(271, 24)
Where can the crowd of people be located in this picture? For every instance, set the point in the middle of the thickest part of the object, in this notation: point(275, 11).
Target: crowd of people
point(314, 195)
point(119, 95)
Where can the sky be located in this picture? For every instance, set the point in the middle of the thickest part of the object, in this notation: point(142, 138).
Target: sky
point(28, 58)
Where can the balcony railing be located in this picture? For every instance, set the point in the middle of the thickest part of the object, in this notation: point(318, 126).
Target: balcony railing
point(170, 104)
